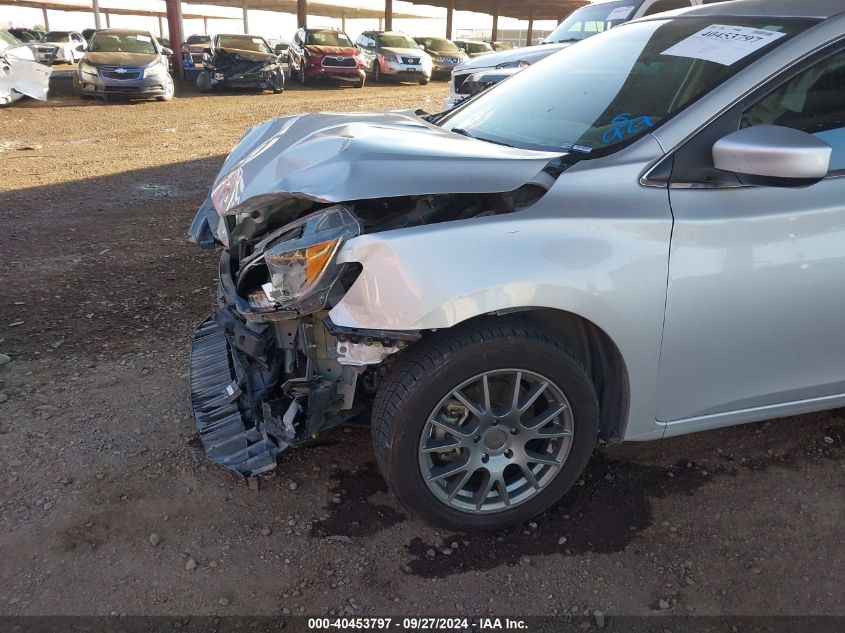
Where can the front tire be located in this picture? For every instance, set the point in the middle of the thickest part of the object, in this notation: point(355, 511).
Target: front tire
point(484, 426)
point(278, 81)
point(377, 71)
point(204, 82)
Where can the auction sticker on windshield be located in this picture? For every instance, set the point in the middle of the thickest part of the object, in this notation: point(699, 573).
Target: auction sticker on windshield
point(723, 44)
point(619, 13)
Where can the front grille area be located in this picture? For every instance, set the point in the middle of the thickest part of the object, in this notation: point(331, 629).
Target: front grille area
point(113, 72)
point(411, 60)
point(340, 62)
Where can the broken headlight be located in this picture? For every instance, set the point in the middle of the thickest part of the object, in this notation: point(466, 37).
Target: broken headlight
point(301, 262)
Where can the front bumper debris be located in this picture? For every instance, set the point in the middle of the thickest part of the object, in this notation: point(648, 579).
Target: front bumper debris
point(229, 433)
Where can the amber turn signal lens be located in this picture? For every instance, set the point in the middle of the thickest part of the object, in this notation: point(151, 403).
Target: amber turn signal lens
point(316, 258)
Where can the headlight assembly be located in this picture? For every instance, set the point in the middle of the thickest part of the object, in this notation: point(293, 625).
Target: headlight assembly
point(154, 71)
point(301, 262)
point(87, 69)
point(516, 64)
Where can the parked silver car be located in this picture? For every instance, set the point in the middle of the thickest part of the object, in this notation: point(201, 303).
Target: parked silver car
point(394, 55)
point(652, 244)
point(479, 73)
point(124, 63)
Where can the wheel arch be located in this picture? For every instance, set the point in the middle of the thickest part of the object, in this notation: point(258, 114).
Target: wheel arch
point(597, 352)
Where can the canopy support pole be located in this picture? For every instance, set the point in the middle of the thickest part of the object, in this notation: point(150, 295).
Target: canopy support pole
point(108, 19)
point(495, 33)
point(450, 9)
point(246, 16)
point(530, 34)
point(46, 19)
point(301, 13)
point(95, 4)
point(388, 15)
point(174, 30)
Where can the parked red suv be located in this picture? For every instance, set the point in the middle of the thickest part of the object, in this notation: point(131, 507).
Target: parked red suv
point(326, 53)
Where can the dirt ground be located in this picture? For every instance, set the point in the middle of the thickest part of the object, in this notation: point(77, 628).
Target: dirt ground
point(99, 293)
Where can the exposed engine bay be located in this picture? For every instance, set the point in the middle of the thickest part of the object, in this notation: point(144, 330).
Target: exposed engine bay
point(291, 372)
point(236, 68)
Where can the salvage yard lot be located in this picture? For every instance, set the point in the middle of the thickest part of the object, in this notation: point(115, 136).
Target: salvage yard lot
point(100, 292)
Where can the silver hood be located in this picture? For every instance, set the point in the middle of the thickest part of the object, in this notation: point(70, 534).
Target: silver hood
point(340, 157)
point(529, 54)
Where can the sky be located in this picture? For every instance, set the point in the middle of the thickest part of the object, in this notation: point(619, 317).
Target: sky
point(271, 24)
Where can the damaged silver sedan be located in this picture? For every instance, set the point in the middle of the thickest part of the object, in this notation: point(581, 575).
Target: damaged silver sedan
point(492, 288)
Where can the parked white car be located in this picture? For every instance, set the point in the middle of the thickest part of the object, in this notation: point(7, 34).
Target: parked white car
point(70, 46)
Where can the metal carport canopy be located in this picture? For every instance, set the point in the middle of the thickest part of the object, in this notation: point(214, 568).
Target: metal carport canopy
point(313, 7)
point(519, 9)
point(155, 9)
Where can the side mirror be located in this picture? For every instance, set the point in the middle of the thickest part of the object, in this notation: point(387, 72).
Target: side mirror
point(166, 51)
point(773, 155)
point(80, 47)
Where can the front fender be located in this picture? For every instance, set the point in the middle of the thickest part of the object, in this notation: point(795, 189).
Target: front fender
point(437, 276)
point(609, 271)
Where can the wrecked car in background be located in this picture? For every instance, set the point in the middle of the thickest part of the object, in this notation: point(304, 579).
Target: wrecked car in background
point(240, 61)
point(21, 74)
point(506, 298)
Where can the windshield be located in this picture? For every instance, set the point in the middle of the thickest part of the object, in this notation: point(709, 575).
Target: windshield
point(57, 36)
point(7, 40)
point(328, 38)
point(588, 21)
point(598, 102)
point(396, 41)
point(198, 39)
point(438, 44)
point(244, 43)
point(129, 43)
point(478, 47)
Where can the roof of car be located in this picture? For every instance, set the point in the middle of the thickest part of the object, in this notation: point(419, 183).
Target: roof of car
point(770, 8)
point(122, 31)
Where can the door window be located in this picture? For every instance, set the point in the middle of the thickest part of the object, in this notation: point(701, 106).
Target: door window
point(813, 102)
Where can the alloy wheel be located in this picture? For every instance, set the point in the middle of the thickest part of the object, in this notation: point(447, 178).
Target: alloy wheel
point(496, 440)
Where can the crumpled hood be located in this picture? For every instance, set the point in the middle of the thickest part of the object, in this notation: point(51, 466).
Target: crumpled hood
point(121, 59)
point(528, 54)
point(342, 157)
point(347, 51)
point(18, 74)
point(250, 56)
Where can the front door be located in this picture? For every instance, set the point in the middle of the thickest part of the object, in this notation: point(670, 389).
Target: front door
point(755, 313)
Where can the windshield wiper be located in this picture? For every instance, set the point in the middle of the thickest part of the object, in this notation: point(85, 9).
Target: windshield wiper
point(462, 132)
point(568, 40)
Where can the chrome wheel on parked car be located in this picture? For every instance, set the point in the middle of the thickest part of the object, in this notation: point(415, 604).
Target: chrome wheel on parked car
point(495, 440)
